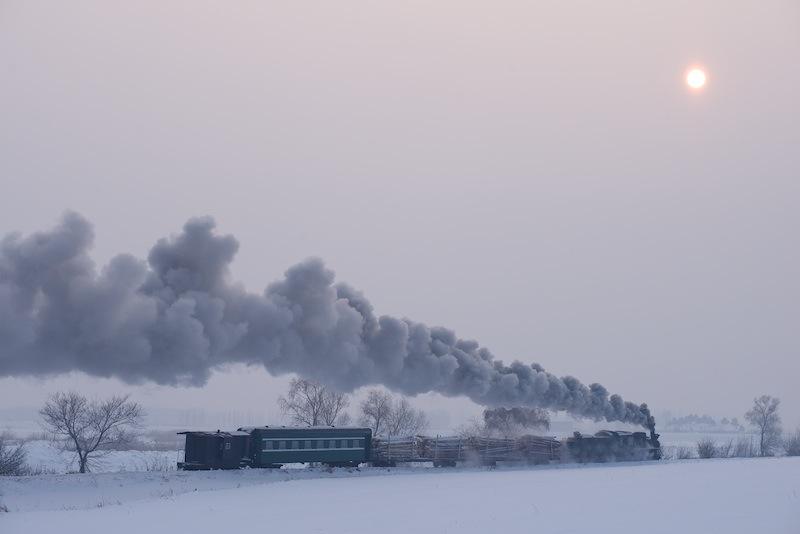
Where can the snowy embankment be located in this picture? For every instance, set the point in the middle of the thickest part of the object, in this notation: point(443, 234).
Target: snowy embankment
point(47, 457)
point(728, 496)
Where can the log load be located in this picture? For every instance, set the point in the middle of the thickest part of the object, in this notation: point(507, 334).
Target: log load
point(447, 450)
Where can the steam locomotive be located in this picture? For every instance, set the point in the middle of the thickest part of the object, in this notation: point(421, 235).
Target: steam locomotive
point(271, 447)
point(613, 446)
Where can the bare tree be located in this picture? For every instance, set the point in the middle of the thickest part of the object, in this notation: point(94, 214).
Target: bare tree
point(505, 423)
point(474, 428)
point(390, 416)
point(764, 416)
point(344, 419)
point(12, 458)
point(310, 403)
point(511, 422)
point(376, 410)
point(405, 420)
point(88, 427)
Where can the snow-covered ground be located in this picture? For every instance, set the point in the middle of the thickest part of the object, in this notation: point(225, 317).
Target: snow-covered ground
point(47, 457)
point(728, 496)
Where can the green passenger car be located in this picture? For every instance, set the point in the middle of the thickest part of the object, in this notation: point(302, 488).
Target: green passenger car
point(275, 446)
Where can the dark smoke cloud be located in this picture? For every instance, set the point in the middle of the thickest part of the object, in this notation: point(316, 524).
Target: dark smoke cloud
point(177, 316)
point(522, 417)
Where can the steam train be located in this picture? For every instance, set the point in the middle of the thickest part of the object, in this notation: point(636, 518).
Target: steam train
point(272, 447)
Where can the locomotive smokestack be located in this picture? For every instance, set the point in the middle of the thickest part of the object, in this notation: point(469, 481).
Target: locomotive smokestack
point(175, 317)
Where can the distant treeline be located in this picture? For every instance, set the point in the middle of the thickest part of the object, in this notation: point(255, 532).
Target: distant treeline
point(702, 423)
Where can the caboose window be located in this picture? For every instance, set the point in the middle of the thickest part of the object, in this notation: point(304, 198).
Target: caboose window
point(276, 444)
point(349, 443)
point(301, 444)
point(288, 444)
point(337, 444)
point(326, 444)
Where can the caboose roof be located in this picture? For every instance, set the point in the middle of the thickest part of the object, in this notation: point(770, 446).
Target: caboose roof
point(210, 433)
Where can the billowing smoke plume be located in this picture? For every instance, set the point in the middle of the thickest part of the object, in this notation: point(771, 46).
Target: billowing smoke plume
point(504, 419)
point(177, 316)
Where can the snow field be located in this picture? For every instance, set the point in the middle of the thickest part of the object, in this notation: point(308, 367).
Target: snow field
point(727, 496)
point(47, 457)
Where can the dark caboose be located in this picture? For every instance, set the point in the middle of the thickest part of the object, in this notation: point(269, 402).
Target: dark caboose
point(215, 450)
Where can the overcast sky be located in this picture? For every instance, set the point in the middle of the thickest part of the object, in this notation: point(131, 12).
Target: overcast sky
point(535, 175)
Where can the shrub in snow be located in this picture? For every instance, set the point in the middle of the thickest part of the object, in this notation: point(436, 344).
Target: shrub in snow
point(792, 444)
point(707, 448)
point(744, 448)
point(12, 458)
point(158, 464)
point(725, 450)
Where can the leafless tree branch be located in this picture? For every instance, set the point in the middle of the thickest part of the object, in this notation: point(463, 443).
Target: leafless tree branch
point(387, 416)
point(309, 403)
point(87, 427)
point(764, 416)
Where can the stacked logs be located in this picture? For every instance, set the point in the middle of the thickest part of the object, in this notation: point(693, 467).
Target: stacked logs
point(475, 449)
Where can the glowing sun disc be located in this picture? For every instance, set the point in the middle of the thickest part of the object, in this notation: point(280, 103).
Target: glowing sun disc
point(696, 78)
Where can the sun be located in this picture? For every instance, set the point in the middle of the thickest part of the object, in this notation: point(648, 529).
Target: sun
point(696, 78)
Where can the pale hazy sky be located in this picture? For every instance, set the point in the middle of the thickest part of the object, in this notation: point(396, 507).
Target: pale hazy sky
point(535, 175)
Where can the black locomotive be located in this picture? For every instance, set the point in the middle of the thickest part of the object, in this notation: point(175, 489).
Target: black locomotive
point(612, 446)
